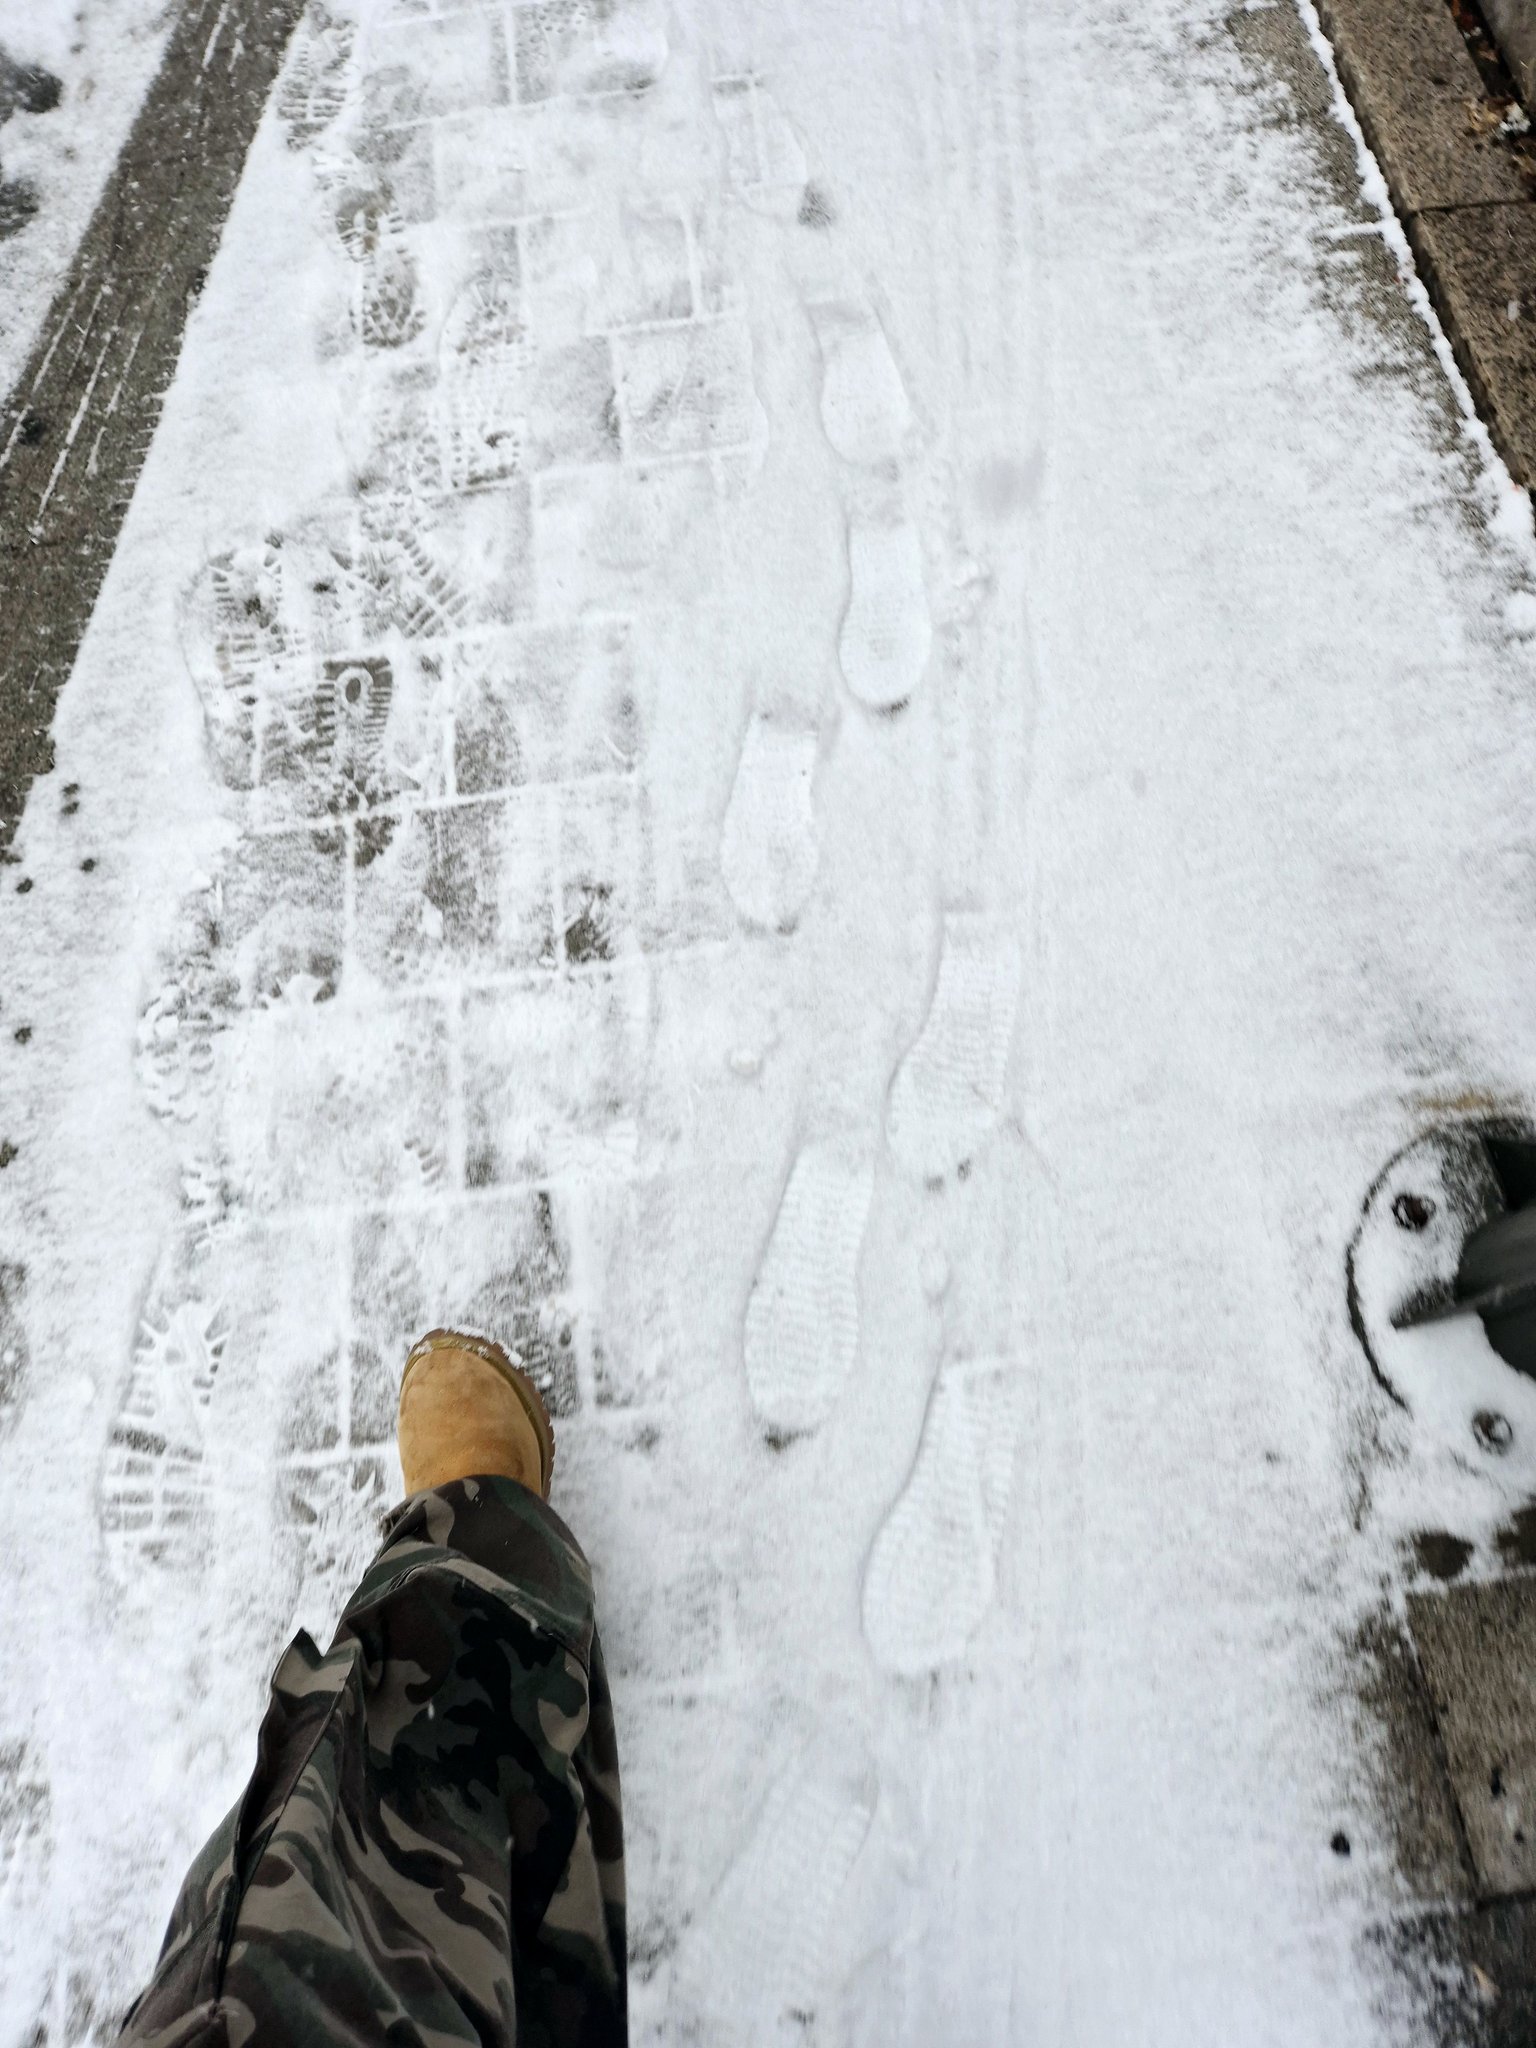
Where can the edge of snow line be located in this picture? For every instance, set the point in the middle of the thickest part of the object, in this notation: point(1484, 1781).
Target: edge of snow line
point(1402, 153)
point(76, 427)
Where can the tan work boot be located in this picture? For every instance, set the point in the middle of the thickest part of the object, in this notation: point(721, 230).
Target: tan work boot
point(466, 1409)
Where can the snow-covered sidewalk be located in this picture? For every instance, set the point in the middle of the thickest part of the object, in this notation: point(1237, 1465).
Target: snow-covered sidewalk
point(825, 711)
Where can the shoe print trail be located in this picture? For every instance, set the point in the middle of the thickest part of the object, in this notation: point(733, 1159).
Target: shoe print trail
point(759, 731)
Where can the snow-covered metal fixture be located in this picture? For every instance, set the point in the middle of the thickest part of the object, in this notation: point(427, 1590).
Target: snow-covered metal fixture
point(1496, 1274)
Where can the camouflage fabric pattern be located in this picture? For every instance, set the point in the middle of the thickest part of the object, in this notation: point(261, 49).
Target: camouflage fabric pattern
point(430, 1849)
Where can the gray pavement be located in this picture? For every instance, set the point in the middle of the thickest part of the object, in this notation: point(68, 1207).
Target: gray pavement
point(1456, 148)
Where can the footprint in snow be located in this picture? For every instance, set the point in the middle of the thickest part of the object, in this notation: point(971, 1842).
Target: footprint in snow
point(154, 1485)
point(765, 160)
point(950, 1088)
point(768, 850)
point(887, 630)
point(802, 1326)
point(316, 80)
point(932, 1568)
point(756, 1967)
point(864, 406)
point(486, 382)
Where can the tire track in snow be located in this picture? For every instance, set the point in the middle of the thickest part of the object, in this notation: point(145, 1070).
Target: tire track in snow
point(76, 428)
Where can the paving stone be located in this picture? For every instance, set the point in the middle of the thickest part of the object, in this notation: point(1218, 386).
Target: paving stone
point(1416, 90)
point(686, 390)
point(484, 541)
point(490, 751)
point(482, 409)
point(466, 889)
point(544, 33)
point(571, 416)
point(1477, 1645)
point(404, 160)
point(553, 1078)
point(306, 1108)
point(1412, 1784)
point(597, 532)
point(648, 279)
point(375, 1388)
point(561, 272)
point(481, 168)
point(603, 882)
point(447, 64)
point(562, 48)
point(279, 912)
point(314, 1419)
point(1481, 267)
point(552, 703)
point(623, 1245)
point(765, 158)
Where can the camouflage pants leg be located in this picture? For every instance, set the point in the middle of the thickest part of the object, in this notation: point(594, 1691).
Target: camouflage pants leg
point(430, 1849)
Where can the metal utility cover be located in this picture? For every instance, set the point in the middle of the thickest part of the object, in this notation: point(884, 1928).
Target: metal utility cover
point(1477, 1647)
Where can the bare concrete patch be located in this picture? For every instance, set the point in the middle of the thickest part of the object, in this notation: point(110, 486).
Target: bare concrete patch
point(1355, 273)
point(1461, 168)
point(1484, 263)
point(1412, 81)
point(1477, 1645)
point(1412, 1784)
point(1464, 1961)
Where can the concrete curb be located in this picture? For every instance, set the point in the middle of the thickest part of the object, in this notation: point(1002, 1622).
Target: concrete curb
point(1465, 188)
point(75, 431)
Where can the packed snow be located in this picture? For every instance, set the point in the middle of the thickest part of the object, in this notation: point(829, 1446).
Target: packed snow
point(827, 712)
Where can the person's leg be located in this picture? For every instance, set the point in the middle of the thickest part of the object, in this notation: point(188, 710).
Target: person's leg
point(430, 1848)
